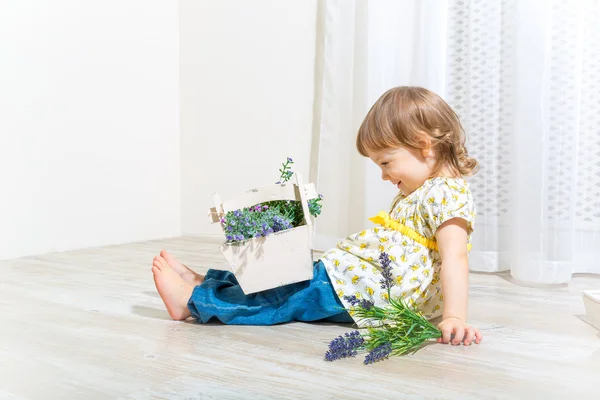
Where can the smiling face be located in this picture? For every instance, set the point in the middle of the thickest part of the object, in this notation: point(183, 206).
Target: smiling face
point(405, 168)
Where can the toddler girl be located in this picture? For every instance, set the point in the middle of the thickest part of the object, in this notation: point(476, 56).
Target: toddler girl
point(417, 141)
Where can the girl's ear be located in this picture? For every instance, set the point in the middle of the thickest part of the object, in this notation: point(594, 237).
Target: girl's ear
point(426, 144)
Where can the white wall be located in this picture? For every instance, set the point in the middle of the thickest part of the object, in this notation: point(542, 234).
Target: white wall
point(89, 134)
point(247, 82)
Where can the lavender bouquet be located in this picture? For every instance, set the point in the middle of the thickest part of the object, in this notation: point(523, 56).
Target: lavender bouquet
point(267, 218)
point(393, 330)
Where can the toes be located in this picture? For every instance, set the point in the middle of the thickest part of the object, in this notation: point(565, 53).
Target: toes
point(163, 262)
point(164, 254)
point(160, 263)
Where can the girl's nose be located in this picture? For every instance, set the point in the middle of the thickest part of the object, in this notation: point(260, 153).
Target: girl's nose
point(385, 176)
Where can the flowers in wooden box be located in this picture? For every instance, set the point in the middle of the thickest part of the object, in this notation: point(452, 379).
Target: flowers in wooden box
point(270, 217)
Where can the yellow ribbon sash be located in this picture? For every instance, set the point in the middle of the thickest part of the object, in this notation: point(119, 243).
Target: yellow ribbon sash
point(384, 219)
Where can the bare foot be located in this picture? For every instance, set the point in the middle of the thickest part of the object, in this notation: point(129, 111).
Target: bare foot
point(173, 290)
point(184, 272)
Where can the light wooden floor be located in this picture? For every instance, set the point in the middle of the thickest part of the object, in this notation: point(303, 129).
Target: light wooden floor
point(89, 325)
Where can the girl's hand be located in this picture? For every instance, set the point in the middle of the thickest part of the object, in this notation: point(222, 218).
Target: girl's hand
point(455, 331)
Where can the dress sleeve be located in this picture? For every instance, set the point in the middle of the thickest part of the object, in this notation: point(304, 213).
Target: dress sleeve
point(446, 201)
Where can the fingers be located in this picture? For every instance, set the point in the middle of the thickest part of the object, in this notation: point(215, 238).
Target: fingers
point(469, 335)
point(478, 336)
point(458, 335)
point(446, 334)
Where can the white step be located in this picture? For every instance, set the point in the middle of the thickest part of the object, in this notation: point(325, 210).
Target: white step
point(591, 300)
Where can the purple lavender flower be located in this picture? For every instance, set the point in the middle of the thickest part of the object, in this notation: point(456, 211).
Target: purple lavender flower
point(237, 213)
point(387, 281)
point(290, 160)
point(280, 223)
point(229, 237)
point(354, 301)
point(265, 207)
point(344, 346)
point(378, 353)
point(366, 304)
point(278, 183)
point(266, 230)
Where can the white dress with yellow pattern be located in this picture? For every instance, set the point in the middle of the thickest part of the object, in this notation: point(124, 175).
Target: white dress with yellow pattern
point(408, 237)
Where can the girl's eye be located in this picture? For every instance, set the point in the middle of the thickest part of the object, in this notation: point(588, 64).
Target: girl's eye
point(384, 163)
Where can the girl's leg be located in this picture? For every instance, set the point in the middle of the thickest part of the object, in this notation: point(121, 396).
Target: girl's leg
point(221, 297)
point(191, 277)
point(182, 270)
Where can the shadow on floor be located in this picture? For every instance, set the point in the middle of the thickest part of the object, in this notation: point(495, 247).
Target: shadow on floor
point(149, 312)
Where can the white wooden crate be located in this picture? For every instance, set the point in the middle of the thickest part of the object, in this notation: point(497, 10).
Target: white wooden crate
point(275, 260)
point(591, 300)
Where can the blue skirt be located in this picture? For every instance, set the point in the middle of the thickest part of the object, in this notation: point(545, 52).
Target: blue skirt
point(221, 297)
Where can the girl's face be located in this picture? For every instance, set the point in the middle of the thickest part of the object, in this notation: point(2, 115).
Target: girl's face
point(405, 168)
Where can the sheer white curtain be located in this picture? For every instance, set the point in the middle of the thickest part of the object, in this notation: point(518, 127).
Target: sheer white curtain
point(525, 78)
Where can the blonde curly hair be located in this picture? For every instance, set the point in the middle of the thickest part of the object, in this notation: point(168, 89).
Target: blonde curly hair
point(419, 119)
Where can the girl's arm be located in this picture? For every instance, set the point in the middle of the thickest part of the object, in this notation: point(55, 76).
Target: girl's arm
point(452, 243)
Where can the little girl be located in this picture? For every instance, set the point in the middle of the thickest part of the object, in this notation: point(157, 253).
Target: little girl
point(418, 142)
